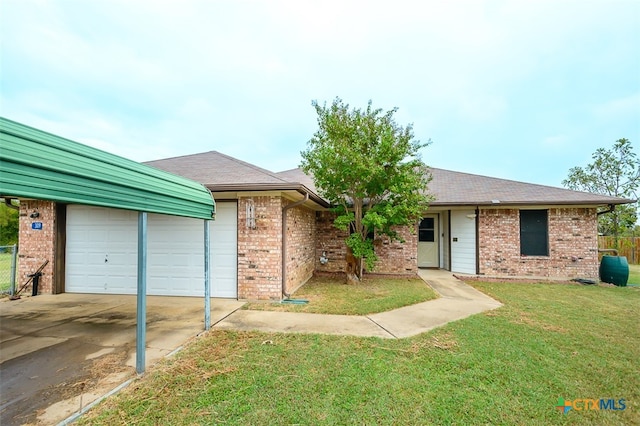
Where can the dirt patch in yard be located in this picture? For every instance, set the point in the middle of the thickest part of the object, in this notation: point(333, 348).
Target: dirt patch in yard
point(35, 381)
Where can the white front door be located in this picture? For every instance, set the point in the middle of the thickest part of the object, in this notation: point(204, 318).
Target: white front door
point(428, 242)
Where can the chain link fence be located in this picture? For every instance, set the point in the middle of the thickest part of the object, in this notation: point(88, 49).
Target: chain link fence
point(8, 269)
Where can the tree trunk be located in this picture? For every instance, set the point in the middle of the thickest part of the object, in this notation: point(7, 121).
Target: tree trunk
point(351, 267)
point(359, 229)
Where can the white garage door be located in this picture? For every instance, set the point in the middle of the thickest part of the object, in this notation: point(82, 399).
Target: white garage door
point(101, 252)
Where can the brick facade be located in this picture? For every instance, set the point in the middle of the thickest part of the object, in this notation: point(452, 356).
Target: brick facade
point(37, 245)
point(398, 257)
point(573, 245)
point(301, 242)
point(330, 243)
point(259, 249)
point(393, 257)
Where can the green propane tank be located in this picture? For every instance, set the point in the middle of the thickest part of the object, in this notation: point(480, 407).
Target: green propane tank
point(614, 270)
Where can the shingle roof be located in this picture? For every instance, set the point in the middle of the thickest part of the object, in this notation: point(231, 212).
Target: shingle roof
point(464, 189)
point(457, 188)
point(297, 175)
point(221, 172)
point(214, 168)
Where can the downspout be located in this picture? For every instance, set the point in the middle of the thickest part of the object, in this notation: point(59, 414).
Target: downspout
point(614, 251)
point(285, 209)
point(477, 218)
point(449, 238)
point(8, 203)
point(612, 207)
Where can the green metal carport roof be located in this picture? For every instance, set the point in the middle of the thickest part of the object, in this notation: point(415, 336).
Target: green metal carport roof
point(38, 165)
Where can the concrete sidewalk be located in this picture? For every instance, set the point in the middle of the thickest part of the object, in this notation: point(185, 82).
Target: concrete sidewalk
point(457, 300)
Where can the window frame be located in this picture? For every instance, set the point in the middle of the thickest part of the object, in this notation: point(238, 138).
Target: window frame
point(534, 232)
point(431, 229)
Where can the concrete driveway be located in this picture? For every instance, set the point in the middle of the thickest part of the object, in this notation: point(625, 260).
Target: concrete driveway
point(59, 353)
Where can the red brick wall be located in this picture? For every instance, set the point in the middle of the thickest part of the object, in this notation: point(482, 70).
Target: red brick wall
point(573, 245)
point(36, 246)
point(259, 249)
point(397, 257)
point(393, 257)
point(330, 241)
point(301, 241)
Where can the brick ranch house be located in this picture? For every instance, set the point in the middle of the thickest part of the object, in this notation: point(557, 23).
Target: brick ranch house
point(273, 232)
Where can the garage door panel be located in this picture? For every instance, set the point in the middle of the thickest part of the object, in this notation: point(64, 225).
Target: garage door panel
point(174, 252)
point(116, 236)
point(176, 264)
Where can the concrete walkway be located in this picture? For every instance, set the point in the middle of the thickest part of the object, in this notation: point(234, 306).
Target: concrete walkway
point(457, 300)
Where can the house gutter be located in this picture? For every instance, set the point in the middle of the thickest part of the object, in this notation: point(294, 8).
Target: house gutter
point(507, 204)
point(285, 209)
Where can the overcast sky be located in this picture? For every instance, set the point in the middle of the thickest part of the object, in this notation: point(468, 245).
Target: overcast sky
point(520, 90)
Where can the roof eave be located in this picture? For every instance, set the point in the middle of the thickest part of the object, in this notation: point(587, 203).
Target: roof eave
point(530, 203)
point(263, 187)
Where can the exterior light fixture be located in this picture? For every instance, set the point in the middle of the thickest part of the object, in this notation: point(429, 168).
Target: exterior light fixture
point(251, 214)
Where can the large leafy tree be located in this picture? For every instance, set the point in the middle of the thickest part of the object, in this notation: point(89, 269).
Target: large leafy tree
point(369, 168)
point(614, 172)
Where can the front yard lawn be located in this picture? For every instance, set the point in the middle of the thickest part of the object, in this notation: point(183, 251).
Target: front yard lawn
point(5, 271)
point(634, 274)
point(329, 295)
point(507, 366)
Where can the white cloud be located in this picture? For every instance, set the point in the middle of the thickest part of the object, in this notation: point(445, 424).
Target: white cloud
point(556, 141)
point(239, 76)
point(628, 106)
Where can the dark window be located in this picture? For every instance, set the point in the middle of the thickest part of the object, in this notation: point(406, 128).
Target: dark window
point(426, 230)
point(534, 233)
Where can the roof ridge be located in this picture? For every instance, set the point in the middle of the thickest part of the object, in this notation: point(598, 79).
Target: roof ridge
point(177, 156)
point(516, 181)
point(228, 157)
point(289, 170)
point(253, 166)
point(528, 184)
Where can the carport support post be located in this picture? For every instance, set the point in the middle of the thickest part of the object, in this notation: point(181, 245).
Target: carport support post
point(141, 317)
point(207, 277)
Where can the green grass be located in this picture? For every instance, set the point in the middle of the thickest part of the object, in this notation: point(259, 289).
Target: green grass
point(5, 271)
point(329, 295)
point(634, 274)
point(507, 366)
